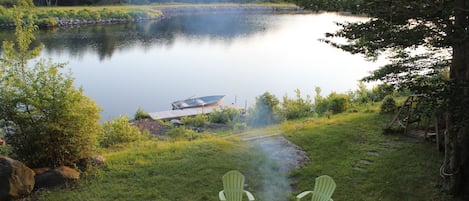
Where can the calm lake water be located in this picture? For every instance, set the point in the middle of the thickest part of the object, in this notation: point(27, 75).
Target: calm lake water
point(240, 55)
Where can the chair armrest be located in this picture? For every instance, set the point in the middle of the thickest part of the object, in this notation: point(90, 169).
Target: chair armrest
point(250, 196)
point(301, 195)
point(221, 195)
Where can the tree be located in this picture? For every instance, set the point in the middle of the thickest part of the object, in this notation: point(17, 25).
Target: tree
point(48, 122)
point(422, 38)
point(265, 111)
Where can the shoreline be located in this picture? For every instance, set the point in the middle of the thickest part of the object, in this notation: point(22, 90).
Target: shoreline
point(165, 10)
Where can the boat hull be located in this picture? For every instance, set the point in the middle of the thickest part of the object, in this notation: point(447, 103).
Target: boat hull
point(197, 102)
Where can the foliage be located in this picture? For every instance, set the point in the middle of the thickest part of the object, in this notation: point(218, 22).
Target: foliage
point(363, 95)
point(5, 150)
point(265, 111)
point(225, 115)
point(11, 3)
point(330, 5)
point(48, 122)
point(388, 105)
point(200, 120)
point(119, 131)
point(50, 17)
point(136, 2)
point(141, 114)
point(334, 103)
point(338, 103)
point(296, 108)
point(423, 39)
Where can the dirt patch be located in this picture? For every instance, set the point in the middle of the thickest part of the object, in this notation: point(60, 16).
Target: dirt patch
point(281, 157)
point(289, 156)
point(151, 126)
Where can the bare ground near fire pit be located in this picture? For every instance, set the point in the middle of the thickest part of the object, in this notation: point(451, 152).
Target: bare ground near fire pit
point(281, 157)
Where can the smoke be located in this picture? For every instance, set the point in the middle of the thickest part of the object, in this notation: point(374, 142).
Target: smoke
point(282, 157)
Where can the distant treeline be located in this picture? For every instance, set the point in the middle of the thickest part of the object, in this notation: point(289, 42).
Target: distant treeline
point(10, 3)
point(330, 5)
point(325, 5)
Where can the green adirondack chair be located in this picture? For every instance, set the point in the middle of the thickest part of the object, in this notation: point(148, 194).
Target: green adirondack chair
point(233, 187)
point(324, 186)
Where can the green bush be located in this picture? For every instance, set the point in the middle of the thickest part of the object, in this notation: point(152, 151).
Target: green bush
point(338, 103)
point(388, 105)
point(84, 14)
point(265, 112)
point(196, 121)
point(57, 13)
point(5, 150)
point(225, 115)
point(119, 131)
point(141, 114)
point(334, 103)
point(46, 22)
point(52, 122)
point(296, 108)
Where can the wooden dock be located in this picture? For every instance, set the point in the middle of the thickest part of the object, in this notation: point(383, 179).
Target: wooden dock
point(177, 114)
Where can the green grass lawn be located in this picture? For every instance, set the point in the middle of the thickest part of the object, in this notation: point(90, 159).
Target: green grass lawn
point(366, 164)
point(349, 147)
point(163, 171)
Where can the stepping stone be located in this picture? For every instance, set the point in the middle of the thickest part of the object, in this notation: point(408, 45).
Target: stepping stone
point(359, 169)
point(372, 153)
point(365, 161)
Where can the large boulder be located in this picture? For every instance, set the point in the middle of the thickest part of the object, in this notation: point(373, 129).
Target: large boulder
point(16, 179)
point(59, 177)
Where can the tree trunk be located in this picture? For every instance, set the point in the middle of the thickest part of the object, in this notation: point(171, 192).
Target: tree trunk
point(456, 169)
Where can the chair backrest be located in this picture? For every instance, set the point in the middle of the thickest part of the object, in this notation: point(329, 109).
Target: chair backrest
point(233, 185)
point(323, 188)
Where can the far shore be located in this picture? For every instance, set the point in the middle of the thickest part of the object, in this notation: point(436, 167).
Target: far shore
point(49, 17)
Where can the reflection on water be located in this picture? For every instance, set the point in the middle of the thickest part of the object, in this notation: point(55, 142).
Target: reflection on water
point(105, 40)
point(242, 55)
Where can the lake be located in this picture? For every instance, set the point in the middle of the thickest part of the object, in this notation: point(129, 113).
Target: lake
point(241, 55)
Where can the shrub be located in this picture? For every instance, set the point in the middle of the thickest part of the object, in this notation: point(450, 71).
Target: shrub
point(334, 103)
point(338, 103)
point(5, 150)
point(196, 121)
point(119, 131)
point(265, 111)
point(46, 22)
point(388, 105)
point(50, 122)
point(84, 14)
point(296, 108)
point(141, 114)
point(225, 115)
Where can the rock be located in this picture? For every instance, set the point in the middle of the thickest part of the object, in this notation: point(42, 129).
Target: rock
point(60, 177)
point(85, 164)
point(16, 179)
